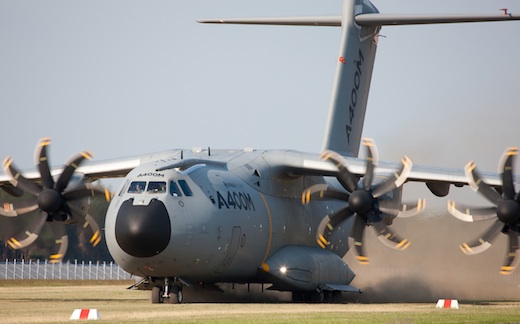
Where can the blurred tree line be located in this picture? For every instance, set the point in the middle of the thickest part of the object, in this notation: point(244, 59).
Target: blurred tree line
point(79, 247)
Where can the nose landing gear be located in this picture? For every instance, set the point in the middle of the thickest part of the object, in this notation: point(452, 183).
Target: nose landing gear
point(170, 292)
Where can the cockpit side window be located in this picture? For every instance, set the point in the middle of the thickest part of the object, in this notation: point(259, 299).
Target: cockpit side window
point(185, 188)
point(137, 187)
point(174, 189)
point(156, 187)
point(123, 189)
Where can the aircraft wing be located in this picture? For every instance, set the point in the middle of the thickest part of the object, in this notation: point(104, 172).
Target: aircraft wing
point(373, 19)
point(304, 165)
point(419, 173)
point(95, 170)
point(92, 171)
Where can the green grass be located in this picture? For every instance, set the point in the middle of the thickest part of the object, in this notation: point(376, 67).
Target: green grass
point(41, 301)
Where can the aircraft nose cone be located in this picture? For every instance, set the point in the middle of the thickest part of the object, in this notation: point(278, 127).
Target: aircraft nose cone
point(143, 231)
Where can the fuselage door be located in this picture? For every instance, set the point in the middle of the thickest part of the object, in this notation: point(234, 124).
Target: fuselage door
point(233, 247)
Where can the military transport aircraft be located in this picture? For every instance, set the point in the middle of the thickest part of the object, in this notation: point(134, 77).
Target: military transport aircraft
point(191, 217)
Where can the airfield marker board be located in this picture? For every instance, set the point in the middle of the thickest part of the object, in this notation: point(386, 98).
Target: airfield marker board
point(447, 303)
point(85, 314)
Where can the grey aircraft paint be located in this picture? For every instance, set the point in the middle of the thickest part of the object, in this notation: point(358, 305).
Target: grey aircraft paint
point(183, 218)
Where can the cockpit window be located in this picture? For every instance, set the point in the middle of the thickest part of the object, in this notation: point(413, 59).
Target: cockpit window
point(185, 188)
point(156, 187)
point(174, 189)
point(137, 187)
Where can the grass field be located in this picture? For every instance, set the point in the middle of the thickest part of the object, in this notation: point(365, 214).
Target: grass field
point(42, 301)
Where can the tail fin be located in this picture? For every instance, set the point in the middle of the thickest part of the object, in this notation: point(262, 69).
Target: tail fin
point(360, 23)
point(352, 81)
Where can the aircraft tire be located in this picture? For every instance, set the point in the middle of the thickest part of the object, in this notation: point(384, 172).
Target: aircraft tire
point(176, 295)
point(157, 295)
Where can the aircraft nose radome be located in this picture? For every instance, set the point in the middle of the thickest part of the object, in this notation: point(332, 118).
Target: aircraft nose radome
point(143, 231)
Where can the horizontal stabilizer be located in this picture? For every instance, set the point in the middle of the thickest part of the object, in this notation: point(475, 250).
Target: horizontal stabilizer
point(367, 20)
point(290, 21)
point(416, 19)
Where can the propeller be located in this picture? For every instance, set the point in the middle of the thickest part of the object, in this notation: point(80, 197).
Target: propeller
point(505, 212)
point(368, 201)
point(59, 202)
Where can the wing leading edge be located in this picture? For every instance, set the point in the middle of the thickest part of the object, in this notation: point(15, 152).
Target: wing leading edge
point(372, 19)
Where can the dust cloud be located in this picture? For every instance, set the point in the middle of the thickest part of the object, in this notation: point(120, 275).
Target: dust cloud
point(434, 267)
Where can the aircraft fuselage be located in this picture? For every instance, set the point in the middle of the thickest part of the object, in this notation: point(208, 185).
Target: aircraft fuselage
point(215, 218)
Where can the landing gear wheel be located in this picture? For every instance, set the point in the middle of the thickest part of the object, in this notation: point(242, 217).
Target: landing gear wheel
point(157, 295)
point(176, 295)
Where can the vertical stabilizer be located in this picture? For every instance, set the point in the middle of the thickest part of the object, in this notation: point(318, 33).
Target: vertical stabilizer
point(352, 81)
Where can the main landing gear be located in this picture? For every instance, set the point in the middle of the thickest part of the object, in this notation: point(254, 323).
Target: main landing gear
point(170, 291)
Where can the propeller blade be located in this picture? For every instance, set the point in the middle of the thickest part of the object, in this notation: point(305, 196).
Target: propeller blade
point(389, 206)
point(509, 265)
point(380, 205)
point(396, 208)
point(43, 163)
point(410, 209)
point(69, 169)
point(471, 214)
point(328, 223)
point(60, 244)
point(476, 183)
point(345, 177)
point(53, 201)
point(394, 181)
point(18, 208)
point(506, 169)
point(18, 180)
point(389, 238)
point(12, 191)
point(372, 160)
point(87, 221)
point(358, 230)
point(484, 241)
point(87, 190)
point(320, 232)
point(320, 192)
point(27, 236)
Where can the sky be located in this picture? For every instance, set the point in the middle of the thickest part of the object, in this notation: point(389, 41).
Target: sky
point(122, 78)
